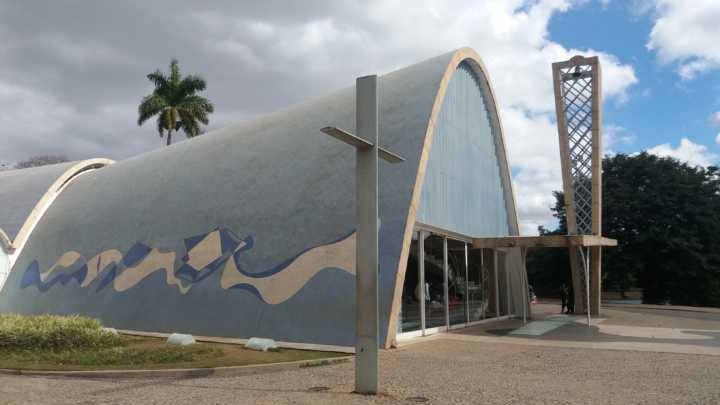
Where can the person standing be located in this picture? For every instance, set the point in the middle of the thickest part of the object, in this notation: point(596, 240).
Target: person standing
point(564, 299)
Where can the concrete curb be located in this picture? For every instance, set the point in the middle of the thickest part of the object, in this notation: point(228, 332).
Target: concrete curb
point(229, 371)
point(237, 341)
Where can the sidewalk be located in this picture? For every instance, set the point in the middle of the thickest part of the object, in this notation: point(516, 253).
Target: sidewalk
point(617, 329)
point(475, 365)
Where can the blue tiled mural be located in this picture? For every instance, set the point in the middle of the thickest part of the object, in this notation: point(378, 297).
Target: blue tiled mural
point(204, 254)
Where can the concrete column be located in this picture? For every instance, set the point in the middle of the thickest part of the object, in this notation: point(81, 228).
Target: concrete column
point(586, 260)
point(367, 326)
point(508, 289)
point(525, 284)
point(595, 280)
point(421, 278)
point(487, 269)
point(483, 281)
point(497, 286)
point(467, 286)
point(446, 293)
point(577, 269)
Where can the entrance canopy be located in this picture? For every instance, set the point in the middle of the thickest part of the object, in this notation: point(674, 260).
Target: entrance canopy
point(551, 241)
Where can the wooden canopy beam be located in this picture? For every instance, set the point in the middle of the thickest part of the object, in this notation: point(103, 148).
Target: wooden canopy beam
point(547, 241)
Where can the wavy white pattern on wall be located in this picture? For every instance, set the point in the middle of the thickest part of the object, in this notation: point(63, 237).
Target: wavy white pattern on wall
point(204, 255)
point(279, 286)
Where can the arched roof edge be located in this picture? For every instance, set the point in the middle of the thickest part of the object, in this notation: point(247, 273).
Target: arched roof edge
point(5, 242)
point(45, 202)
point(459, 56)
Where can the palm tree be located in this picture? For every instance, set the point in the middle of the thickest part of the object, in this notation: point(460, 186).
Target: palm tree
point(175, 103)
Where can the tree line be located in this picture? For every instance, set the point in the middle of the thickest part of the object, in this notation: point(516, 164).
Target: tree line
point(35, 161)
point(666, 217)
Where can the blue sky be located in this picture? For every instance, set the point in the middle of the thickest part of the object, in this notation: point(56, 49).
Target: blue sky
point(662, 107)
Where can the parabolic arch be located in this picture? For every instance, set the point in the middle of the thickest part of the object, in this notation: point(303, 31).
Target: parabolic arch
point(469, 58)
point(204, 235)
point(13, 247)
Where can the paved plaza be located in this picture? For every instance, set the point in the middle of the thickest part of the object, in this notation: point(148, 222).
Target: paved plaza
point(663, 361)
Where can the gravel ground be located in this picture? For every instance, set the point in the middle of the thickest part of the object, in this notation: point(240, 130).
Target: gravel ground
point(445, 371)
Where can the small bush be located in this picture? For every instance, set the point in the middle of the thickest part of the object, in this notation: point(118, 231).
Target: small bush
point(52, 332)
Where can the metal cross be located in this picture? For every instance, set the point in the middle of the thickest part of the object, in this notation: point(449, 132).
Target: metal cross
point(366, 248)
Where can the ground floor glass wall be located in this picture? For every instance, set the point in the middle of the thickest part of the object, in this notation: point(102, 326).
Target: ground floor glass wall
point(447, 283)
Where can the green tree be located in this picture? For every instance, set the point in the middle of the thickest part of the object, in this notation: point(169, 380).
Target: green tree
point(666, 218)
point(176, 103)
point(41, 160)
point(549, 269)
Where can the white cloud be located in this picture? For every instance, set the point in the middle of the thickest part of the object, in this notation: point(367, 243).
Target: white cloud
point(533, 190)
point(42, 121)
point(533, 149)
point(715, 118)
point(510, 36)
point(686, 32)
point(692, 153)
point(258, 57)
point(79, 53)
point(717, 139)
point(616, 135)
point(22, 109)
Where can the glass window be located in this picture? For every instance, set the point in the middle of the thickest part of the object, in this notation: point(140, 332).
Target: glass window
point(457, 282)
point(434, 282)
point(478, 286)
point(410, 307)
point(491, 286)
point(503, 285)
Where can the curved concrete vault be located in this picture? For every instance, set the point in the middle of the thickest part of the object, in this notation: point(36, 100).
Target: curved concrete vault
point(25, 197)
point(249, 230)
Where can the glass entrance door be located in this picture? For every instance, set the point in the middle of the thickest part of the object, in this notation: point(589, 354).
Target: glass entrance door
point(434, 282)
point(449, 284)
point(411, 293)
point(457, 278)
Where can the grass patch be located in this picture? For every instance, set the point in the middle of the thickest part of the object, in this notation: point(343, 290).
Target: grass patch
point(152, 353)
point(50, 332)
point(66, 343)
point(134, 353)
